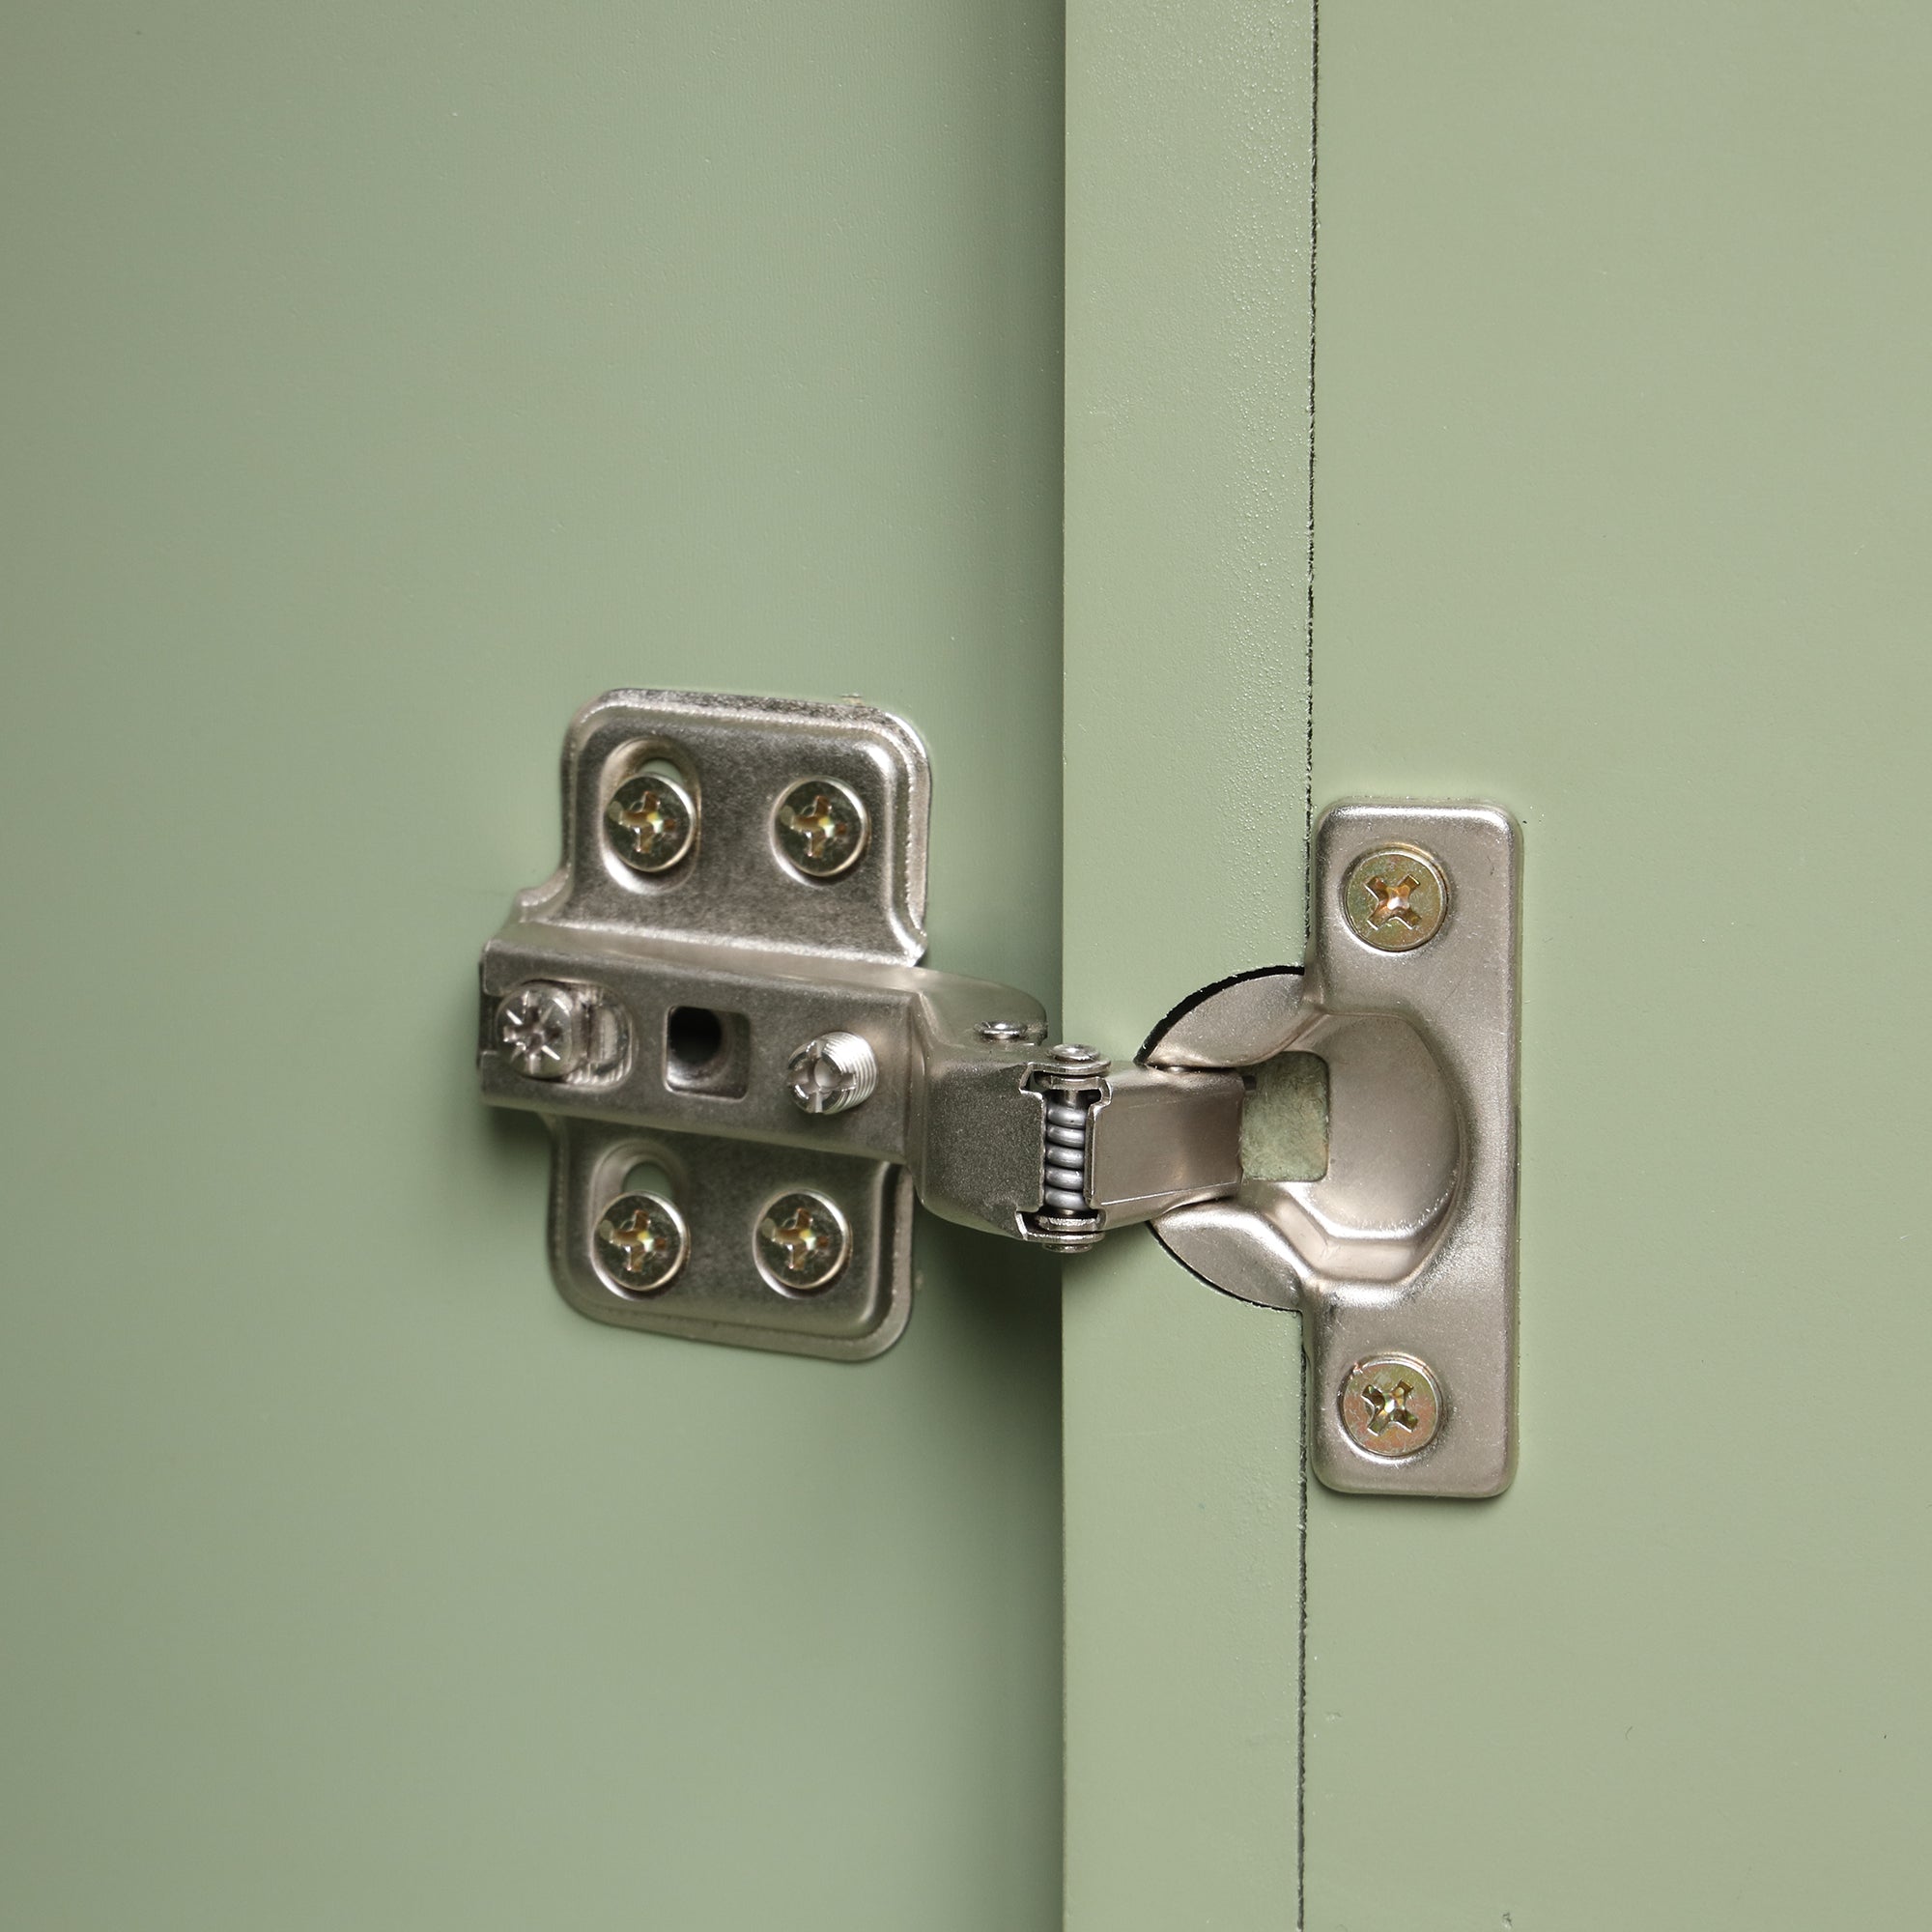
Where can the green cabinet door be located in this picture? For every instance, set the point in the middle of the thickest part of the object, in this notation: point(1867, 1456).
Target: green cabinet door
point(380, 383)
point(1621, 433)
point(1619, 508)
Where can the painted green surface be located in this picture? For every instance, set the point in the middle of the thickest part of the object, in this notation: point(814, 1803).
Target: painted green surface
point(1187, 342)
point(1622, 493)
point(380, 383)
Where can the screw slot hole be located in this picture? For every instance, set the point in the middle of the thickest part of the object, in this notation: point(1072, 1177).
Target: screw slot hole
point(648, 1177)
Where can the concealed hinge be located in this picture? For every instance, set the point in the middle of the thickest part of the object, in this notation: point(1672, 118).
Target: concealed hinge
point(717, 1004)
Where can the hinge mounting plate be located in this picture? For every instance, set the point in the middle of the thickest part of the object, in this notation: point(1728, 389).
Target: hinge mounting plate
point(1399, 1255)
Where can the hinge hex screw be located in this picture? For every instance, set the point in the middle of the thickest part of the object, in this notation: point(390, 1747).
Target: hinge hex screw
point(833, 1073)
point(651, 822)
point(540, 1031)
point(1395, 898)
point(1390, 1406)
point(641, 1242)
point(801, 1243)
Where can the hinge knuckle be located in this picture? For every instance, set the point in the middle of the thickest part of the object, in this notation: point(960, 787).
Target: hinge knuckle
point(976, 1142)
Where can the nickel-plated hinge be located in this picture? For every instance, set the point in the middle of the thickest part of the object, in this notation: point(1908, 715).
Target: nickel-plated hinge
point(718, 1004)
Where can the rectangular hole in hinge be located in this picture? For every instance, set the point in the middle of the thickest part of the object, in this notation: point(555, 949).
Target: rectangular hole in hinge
point(707, 1051)
point(1284, 1119)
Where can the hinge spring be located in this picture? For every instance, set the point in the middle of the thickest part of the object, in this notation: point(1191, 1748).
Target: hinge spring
point(1073, 1089)
point(1064, 1181)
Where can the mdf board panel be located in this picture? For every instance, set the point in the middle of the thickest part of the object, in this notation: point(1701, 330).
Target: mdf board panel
point(380, 383)
point(1189, 155)
point(1622, 491)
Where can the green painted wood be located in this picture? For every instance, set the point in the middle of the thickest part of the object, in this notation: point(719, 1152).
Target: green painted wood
point(1622, 432)
point(381, 382)
point(1187, 370)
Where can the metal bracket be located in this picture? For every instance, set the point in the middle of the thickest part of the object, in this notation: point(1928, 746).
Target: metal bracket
point(717, 1004)
point(1400, 1252)
point(636, 1001)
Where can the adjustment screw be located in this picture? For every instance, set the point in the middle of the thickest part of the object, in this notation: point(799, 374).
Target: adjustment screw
point(801, 1243)
point(641, 1242)
point(820, 828)
point(1028, 1031)
point(1395, 898)
point(538, 1030)
point(651, 821)
point(1390, 1406)
point(1080, 1058)
point(833, 1073)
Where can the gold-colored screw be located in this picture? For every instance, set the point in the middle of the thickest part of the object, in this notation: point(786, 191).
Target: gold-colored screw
point(642, 1244)
point(820, 828)
point(651, 821)
point(1395, 898)
point(1391, 1406)
point(802, 1242)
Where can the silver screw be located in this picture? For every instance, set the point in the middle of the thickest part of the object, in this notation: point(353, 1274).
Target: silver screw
point(641, 1242)
point(833, 1073)
point(1067, 1233)
point(1391, 1406)
point(1080, 1058)
point(820, 828)
point(801, 1243)
point(1395, 898)
point(539, 1030)
point(1029, 1031)
point(652, 821)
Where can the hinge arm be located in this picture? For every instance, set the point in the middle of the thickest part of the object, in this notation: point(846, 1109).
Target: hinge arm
point(959, 1089)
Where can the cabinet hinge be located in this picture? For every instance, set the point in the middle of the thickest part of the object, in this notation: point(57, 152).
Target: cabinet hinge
point(717, 1004)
